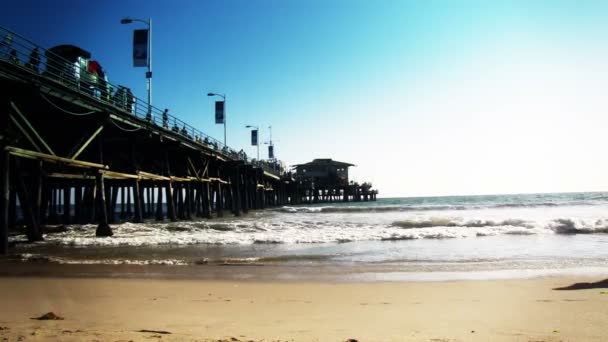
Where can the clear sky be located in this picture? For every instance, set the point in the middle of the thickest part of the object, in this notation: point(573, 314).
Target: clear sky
point(426, 97)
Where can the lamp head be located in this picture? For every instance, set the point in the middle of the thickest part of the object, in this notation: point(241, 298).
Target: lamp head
point(126, 21)
point(210, 94)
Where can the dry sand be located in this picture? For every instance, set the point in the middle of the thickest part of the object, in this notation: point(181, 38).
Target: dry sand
point(116, 309)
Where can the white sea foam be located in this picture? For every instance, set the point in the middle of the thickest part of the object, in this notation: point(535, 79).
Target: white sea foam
point(362, 222)
point(71, 261)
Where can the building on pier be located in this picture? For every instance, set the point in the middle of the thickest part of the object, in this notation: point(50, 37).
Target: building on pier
point(326, 180)
point(323, 173)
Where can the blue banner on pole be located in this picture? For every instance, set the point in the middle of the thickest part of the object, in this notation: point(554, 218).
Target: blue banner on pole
point(254, 137)
point(270, 152)
point(219, 112)
point(140, 48)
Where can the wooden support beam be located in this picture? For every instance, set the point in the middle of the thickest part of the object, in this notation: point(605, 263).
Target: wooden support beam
point(236, 191)
point(218, 180)
point(108, 190)
point(70, 176)
point(86, 144)
point(180, 179)
point(151, 176)
point(199, 200)
point(38, 190)
point(219, 199)
point(84, 206)
point(92, 203)
point(206, 201)
point(268, 174)
point(113, 200)
point(129, 203)
point(123, 203)
point(150, 201)
point(4, 201)
point(19, 152)
point(244, 189)
point(33, 229)
point(150, 204)
point(67, 204)
point(44, 203)
point(170, 202)
point(103, 228)
point(192, 168)
point(188, 201)
point(77, 201)
point(137, 197)
point(26, 134)
point(206, 169)
point(118, 175)
point(32, 128)
point(159, 204)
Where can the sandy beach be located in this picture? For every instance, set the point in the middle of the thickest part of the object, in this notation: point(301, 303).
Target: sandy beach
point(109, 309)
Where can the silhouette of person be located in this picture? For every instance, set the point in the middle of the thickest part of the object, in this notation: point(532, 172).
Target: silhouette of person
point(34, 62)
point(166, 119)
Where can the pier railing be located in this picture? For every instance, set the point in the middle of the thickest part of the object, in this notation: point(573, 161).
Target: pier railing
point(40, 62)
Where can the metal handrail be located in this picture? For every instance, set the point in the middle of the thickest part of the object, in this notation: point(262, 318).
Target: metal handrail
point(19, 50)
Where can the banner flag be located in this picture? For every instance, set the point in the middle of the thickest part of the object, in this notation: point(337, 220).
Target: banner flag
point(219, 112)
point(270, 152)
point(254, 137)
point(140, 48)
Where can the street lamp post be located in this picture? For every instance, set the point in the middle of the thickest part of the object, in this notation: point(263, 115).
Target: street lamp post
point(223, 96)
point(270, 144)
point(257, 143)
point(149, 72)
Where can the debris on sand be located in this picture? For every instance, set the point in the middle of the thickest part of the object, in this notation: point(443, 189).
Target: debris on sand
point(49, 316)
point(163, 332)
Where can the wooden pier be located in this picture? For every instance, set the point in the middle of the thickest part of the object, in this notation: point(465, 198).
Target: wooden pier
point(74, 152)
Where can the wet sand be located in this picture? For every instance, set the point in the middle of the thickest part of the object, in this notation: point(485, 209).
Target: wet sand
point(116, 309)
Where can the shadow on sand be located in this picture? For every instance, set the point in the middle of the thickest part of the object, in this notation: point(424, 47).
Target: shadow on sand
point(602, 284)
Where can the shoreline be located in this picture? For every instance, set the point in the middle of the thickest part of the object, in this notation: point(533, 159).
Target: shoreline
point(213, 310)
point(313, 273)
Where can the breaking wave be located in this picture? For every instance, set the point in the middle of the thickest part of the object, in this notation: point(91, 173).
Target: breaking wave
point(406, 208)
point(226, 261)
point(447, 222)
point(385, 220)
point(252, 232)
point(570, 226)
point(29, 257)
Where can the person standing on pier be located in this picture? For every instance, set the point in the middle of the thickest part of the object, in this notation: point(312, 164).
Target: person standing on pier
point(166, 119)
point(6, 45)
point(13, 57)
point(34, 62)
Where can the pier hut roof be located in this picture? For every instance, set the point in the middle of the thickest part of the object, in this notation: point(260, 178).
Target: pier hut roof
point(326, 161)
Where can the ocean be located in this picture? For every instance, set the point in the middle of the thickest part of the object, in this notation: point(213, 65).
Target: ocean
point(392, 239)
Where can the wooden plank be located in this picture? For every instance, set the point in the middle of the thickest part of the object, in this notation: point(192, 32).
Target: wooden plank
point(117, 175)
point(179, 179)
point(152, 176)
point(70, 176)
point(268, 174)
point(19, 152)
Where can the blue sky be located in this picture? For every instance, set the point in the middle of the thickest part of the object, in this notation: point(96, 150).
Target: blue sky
point(426, 97)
